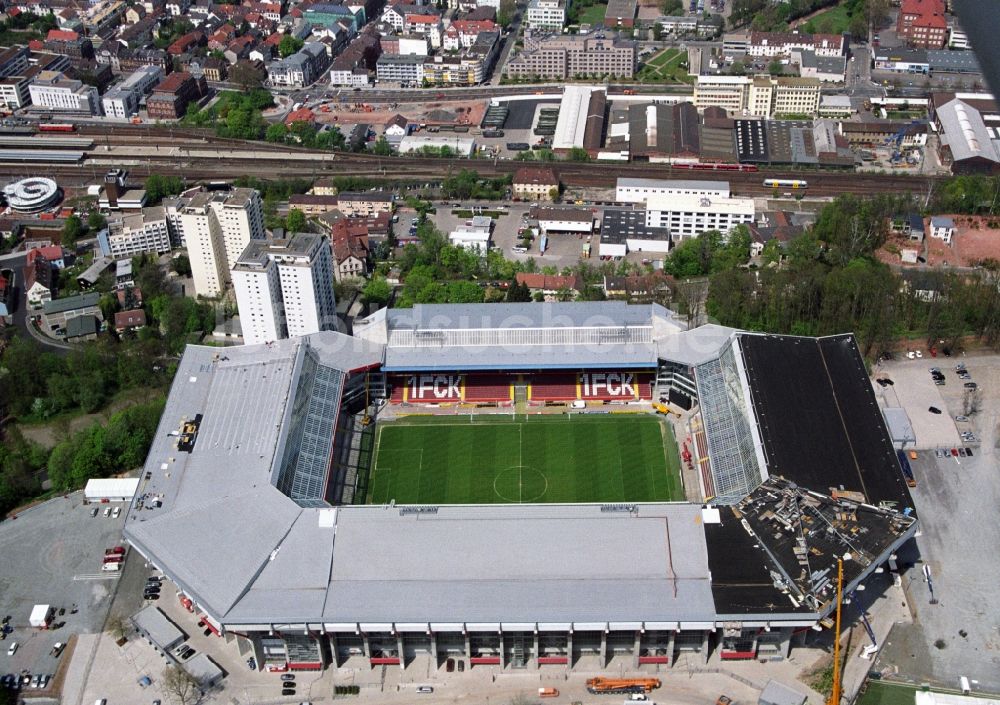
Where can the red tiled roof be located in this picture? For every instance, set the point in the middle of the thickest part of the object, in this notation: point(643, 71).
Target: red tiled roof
point(130, 319)
point(61, 35)
point(548, 282)
point(51, 253)
point(300, 115)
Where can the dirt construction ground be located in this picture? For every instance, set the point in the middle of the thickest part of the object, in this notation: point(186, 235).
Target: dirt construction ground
point(432, 113)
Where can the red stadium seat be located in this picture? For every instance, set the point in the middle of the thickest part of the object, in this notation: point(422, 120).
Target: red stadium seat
point(553, 387)
point(488, 388)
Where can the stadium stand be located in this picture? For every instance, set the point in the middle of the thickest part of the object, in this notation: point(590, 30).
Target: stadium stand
point(553, 387)
point(489, 388)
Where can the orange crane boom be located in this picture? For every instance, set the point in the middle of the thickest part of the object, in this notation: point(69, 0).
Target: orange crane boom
point(835, 690)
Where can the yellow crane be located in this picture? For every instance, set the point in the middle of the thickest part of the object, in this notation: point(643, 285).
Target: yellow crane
point(835, 690)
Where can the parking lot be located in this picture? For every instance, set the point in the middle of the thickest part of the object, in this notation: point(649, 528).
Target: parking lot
point(956, 499)
point(52, 555)
point(914, 390)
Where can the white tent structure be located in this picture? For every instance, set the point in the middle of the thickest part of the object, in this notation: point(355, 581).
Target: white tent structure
point(115, 489)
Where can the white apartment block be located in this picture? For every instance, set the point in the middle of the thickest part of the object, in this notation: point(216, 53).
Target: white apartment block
point(546, 14)
point(641, 190)
point(217, 227)
point(14, 91)
point(758, 96)
point(139, 233)
point(52, 90)
point(284, 288)
point(688, 216)
point(122, 101)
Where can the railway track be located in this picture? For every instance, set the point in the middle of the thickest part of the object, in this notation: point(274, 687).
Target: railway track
point(232, 158)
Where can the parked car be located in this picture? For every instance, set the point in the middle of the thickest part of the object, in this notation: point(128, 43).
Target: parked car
point(93, 512)
point(116, 512)
point(288, 691)
point(969, 452)
point(425, 689)
point(954, 452)
point(287, 677)
point(970, 385)
point(961, 452)
point(107, 512)
point(152, 596)
point(12, 649)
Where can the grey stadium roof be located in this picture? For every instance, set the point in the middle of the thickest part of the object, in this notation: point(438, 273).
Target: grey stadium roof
point(309, 565)
point(519, 336)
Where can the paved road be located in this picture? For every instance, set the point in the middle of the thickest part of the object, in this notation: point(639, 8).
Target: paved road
point(16, 261)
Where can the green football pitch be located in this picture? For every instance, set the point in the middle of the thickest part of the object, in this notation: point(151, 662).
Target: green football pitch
point(497, 459)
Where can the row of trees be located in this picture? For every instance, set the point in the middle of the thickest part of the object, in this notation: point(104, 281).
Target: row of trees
point(829, 281)
point(104, 450)
point(305, 134)
point(235, 115)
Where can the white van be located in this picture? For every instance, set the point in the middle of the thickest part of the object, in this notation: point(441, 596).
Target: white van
point(12, 648)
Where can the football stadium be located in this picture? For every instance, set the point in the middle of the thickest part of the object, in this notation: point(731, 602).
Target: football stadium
point(520, 486)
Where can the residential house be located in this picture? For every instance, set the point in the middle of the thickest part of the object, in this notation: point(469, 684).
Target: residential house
point(554, 287)
point(349, 243)
point(39, 282)
point(395, 127)
point(461, 34)
point(53, 253)
point(942, 228)
point(535, 183)
point(129, 320)
point(301, 68)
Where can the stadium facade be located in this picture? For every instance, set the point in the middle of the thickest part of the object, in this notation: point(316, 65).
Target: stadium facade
point(250, 501)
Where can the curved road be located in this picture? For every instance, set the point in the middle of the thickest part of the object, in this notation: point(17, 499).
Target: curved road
point(16, 261)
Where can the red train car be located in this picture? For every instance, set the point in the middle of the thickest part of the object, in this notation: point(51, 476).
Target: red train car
point(57, 127)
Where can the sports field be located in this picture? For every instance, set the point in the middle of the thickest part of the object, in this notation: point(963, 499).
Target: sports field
point(500, 459)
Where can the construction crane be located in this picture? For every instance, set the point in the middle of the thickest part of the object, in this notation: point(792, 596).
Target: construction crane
point(835, 690)
point(896, 141)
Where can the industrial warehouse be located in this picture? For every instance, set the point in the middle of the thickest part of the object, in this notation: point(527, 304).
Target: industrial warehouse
point(265, 522)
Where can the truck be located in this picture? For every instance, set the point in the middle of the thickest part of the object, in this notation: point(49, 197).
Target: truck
point(603, 686)
point(548, 693)
point(41, 616)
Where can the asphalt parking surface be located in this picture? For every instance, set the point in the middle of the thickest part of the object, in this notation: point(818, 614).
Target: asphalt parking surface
point(52, 554)
point(956, 500)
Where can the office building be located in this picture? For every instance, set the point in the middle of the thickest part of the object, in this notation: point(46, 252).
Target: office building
point(546, 14)
point(284, 288)
point(54, 91)
point(122, 101)
point(563, 57)
point(689, 215)
point(640, 190)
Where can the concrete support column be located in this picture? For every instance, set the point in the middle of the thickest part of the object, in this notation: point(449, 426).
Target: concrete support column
point(402, 653)
point(503, 652)
point(434, 649)
point(365, 645)
point(785, 646)
point(671, 648)
point(570, 656)
point(536, 653)
point(704, 645)
point(334, 651)
point(604, 648)
point(636, 647)
point(468, 646)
